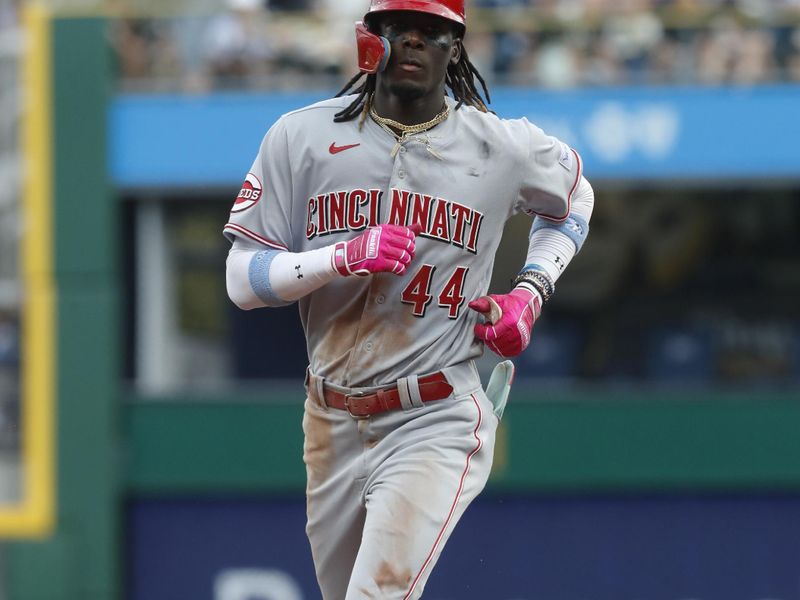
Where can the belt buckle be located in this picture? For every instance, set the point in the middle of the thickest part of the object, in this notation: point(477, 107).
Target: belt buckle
point(358, 394)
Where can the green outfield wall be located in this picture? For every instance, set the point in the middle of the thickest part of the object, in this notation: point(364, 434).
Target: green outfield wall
point(579, 444)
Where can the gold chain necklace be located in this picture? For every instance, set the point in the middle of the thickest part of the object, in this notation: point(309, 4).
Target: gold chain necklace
point(406, 131)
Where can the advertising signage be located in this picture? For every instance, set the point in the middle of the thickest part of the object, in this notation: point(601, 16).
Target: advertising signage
point(608, 548)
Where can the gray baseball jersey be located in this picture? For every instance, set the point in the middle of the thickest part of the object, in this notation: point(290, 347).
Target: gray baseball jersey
point(385, 493)
point(316, 182)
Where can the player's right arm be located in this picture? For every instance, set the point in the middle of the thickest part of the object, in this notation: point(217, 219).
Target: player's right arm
point(262, 268)
point(257, 277)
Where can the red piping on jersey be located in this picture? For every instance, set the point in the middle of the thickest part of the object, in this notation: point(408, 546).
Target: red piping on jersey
point(577, 181)
point(571, 192)
point(254, 236)
point(455, 502)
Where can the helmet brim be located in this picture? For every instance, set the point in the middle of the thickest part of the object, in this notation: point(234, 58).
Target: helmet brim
point(423, 6)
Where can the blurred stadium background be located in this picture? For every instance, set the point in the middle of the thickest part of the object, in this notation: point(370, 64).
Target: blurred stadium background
point(150, 433)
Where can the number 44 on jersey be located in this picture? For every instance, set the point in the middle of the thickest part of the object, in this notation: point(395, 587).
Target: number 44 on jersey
point(418, 291)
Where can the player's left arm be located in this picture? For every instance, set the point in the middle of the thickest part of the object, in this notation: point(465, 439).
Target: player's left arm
point(552, 246)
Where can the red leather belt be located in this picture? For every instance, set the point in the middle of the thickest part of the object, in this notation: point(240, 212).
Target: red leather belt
point(431, 387)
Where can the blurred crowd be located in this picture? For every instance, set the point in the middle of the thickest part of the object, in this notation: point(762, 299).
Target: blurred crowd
point(548, 43)
point(10, 180)
point(10, 170)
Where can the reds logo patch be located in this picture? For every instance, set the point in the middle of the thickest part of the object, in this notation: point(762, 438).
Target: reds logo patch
point(249, 195)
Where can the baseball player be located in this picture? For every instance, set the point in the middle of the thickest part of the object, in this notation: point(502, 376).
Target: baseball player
point(380, 212)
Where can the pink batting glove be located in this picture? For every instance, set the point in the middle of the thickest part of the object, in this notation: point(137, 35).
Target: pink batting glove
point(511, 317)
point(381, 249)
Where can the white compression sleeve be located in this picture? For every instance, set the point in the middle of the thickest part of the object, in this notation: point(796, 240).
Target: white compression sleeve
point(297, 274)
point(237, 280)
point(256, 278)
point(550, 248)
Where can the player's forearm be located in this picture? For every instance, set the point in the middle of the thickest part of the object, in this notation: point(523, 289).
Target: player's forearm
point(260, 278)
point(553, 245)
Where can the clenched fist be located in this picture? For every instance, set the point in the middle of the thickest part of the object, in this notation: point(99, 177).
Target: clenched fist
point(511, 317)
point(381, 249)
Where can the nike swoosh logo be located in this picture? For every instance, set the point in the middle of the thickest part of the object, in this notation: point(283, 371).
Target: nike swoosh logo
point(334, 149)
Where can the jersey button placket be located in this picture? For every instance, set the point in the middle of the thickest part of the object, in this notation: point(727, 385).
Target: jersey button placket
point(364, 343)
point(400, 165)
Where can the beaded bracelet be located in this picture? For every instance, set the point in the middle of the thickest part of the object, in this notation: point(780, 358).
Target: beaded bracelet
point(540, 281)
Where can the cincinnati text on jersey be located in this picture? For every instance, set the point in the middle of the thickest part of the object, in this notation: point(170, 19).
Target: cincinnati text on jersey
point(441, 219)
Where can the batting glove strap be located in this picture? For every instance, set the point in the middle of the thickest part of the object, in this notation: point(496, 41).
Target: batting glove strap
point(340, 259)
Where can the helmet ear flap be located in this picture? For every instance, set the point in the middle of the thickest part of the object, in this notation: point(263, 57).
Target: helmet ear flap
point(373, 50)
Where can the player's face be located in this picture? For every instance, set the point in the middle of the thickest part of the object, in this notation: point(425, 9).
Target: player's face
point(422, 48)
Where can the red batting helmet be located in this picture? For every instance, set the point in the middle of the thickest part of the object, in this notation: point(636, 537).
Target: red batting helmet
point(448, 9)
point(373, 51)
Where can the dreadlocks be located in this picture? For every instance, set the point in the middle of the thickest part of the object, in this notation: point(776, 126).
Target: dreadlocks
point(460, 79)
